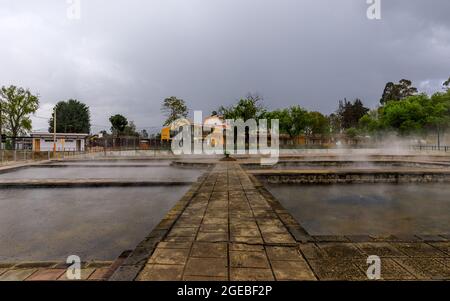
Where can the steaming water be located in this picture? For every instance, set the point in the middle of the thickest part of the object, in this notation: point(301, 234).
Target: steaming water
point(93, 223)
point(365, 209)
point(115, 162)
point(168, 173)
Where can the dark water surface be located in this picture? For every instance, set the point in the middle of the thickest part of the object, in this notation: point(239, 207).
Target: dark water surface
point(163, 173)
point(362, 209)
point(93, 223)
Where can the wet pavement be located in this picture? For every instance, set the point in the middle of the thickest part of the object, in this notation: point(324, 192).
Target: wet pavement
point(234, 229)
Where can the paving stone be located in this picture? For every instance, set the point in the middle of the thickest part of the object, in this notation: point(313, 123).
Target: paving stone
point(292, 270)
point(174, 245)
point(212, 237)
point(169, 256)
point(17, 275)
point(432, 238)
point(273, 229)
point(246, 259)
point(247, 239)
point(183, 232)
point(390, 269)
point(442, 246)
point(214, 228)
point(245, 247)
point(213, 267)
point(244, 224)
point(187, 239)
point(46, 275)
point(250, 274)
point(284, 253)
point(425, 268)
point(340, 250)
point(205, 250)
point(381, 249)
point(418, 250)
point(215, 220)
point(204, 278)
point(161, 272)
point(245, 232)
point(336, 269)
point(99, 274)
point(84, 273)
point(278, 238)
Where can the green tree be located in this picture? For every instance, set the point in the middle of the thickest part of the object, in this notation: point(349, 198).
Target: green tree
point(334, 122)
point(349, 113)
point(72, 116)
point(370, 123)
point(396, 92)
point(438, 114)
point(16, 105)
point(353, 134)
point(174, 109)
point(118, 124)
point(292, 121)
point(247, 108)
point(317, 124)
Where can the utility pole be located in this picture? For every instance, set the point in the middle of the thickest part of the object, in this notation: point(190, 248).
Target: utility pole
point(54, 133)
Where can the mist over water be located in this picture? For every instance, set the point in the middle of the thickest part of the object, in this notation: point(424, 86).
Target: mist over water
point(168, 173)
point(93, 223)
point(364, 209)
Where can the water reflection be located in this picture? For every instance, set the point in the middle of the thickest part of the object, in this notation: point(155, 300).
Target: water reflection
point(364, 209)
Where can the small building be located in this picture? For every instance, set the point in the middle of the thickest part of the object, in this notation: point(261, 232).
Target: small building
point(43, 142)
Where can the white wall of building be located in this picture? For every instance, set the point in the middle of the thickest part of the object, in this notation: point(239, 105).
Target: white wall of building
point(61, 144)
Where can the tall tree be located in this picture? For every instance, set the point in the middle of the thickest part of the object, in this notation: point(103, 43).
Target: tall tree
point(350, 113)
point(174, 108)
point(17, 104)
point(72, 116)
point(292, 121)
point(118, 124)
point(396, 92)
point(317, 124)
point(247, 108)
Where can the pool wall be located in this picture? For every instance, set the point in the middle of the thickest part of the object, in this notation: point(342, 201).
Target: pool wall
point(351, 177)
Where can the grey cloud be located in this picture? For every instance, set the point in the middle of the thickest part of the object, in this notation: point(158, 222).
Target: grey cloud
point(126, 56)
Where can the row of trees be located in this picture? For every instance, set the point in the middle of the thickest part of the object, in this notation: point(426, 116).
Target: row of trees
point(296, 120)
point(402, 109)
point(409, 114)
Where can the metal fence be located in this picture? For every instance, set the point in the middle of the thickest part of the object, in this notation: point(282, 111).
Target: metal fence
point(442, 148)
point(9, 156)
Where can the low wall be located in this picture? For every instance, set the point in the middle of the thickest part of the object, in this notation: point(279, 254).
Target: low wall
point(353, 177)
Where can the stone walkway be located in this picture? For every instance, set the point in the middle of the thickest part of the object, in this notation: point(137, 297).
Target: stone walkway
point(233, 229)
point(227, 232)
point(49, 271)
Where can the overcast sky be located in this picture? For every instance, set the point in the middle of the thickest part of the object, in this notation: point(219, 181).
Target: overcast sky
point(126, 56)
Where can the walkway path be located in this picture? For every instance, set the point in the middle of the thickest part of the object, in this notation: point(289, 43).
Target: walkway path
point(233, 229)
point(228, 231)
